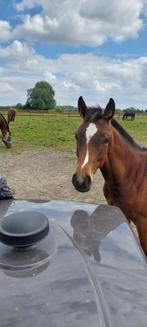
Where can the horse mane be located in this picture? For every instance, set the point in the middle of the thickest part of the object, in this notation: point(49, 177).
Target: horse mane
point(5, 121)
point(123, 132)
point(127, 137)
point(96, 113)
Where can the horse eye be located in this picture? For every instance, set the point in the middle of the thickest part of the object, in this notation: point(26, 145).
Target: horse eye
point(106, 140)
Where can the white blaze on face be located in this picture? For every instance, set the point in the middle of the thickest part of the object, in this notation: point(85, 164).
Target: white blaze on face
point(90, 132)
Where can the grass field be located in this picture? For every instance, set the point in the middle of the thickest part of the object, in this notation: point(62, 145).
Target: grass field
point(39, 131)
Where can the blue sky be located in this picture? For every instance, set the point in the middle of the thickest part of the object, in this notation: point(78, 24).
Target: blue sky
point(95, 48)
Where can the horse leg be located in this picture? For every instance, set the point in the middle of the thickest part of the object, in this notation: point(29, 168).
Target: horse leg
point(142, 231)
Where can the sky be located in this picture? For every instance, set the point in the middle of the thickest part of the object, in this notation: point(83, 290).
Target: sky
point(96, 49)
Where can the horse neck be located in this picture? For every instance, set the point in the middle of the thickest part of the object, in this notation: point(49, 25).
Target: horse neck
point(3, 125)
point(121, 157)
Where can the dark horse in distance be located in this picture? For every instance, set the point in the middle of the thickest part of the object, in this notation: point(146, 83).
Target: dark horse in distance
point(130, 115)
point(6, 134)
point(103, 144)
point(11, 115)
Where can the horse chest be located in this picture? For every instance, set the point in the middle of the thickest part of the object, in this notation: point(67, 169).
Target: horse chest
point(131, 203)
point(113, 194)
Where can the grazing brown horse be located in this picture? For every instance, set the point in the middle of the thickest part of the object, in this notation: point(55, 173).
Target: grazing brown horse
point(6, 134)
point(11, 115)
point(102, 143)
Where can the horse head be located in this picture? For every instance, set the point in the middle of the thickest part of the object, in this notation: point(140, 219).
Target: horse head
point(93, 138)
point(7, 140)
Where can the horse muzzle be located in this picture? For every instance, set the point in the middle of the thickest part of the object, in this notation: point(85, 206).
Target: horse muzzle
point(7, 141)
point(81, 183)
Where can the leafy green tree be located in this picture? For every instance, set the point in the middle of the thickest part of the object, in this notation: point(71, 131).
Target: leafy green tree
point(19, 106)
point(41, 96)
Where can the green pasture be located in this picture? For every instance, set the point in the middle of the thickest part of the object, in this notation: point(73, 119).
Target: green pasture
point(57, 131)
point(31, 131)
point(137, 128)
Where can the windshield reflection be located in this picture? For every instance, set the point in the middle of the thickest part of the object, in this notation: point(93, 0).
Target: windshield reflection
point(90, 230)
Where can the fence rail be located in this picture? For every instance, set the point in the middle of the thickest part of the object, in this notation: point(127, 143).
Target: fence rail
point(58, 113)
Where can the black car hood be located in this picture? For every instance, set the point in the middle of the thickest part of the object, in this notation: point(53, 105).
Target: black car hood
point(88, 271)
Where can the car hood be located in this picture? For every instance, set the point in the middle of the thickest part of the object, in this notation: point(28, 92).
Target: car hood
point(88, 271)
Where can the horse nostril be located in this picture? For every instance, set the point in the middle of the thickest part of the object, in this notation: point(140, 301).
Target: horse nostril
point(77, 179)
point(88, 180)
point(81, 183)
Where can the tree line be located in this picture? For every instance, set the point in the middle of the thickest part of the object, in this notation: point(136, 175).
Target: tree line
point(42, 97)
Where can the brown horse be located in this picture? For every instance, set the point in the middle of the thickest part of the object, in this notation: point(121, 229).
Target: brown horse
point(11, 115)
point(103, 143)
point(6, 134)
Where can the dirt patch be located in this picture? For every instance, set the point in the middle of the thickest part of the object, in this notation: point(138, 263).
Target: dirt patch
point(46, 174)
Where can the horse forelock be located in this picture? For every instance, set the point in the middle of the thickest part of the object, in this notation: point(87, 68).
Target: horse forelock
point(93, 113)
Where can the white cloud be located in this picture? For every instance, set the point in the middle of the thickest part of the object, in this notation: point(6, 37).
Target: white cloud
point(25, 4)
point(117, 19)
point(81, 21)
point(16, 49)
point(71, 75)
point(49, 77)
point(6, 87)
point(5, 30)
point(76, 22)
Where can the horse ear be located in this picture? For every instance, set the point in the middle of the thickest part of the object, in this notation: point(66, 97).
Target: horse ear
point(109, 110)
point(82, 107)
